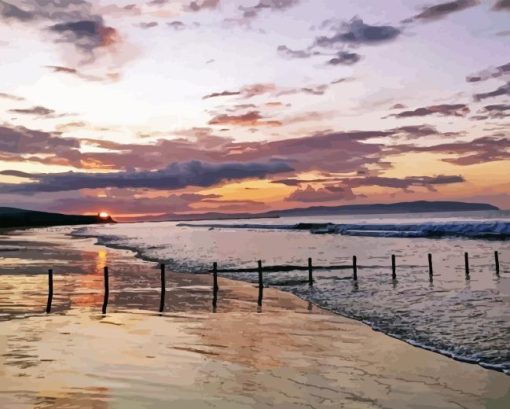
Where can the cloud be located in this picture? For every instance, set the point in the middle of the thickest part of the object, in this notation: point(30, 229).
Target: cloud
point(252, 118)
point(323, 151)
point(119, 201)
point(496, 111)
point(418, 131)
point(326, 194)
point(405, 183)
point(286, 52)
point(310, 90)
point(442, 10)
point(36, 111)
point(178, 175)
point(9, 11)
point(22, 141)
point(86, 35)
point(176, 25)
point(502, 5)
point(341, 188)
point(108, 77)
point(340, 58)
point(273, 5)
point(500, 91)
point(459, 110)
point(72, 20)
point(203, 4)
point(221, 94)
point(490, 73)
point(254, 90)
point(157, 2)
point(147, 25)
point(344, 58)
point(248, 91)
point(481, 150)
point(11, 97)
point(356, 32)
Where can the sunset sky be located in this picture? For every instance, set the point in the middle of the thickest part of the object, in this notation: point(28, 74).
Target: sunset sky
point(179, 106)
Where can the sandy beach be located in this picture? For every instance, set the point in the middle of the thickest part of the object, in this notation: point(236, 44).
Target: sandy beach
point(289, 354)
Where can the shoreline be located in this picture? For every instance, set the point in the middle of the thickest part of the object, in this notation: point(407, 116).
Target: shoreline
point(291, 346)
point(372, 326)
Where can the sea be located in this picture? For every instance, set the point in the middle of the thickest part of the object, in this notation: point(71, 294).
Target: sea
point(464, 317)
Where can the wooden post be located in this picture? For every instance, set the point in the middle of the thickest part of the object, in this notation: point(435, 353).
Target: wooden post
point(310, 274)
point(354, 268)
point(431, 271)
point(106, 290)
point(496, 258)
point(261, 285)
point(163, 289)
point(393, 267)
point(466, 263)
point(50, 291)
point(215, 285)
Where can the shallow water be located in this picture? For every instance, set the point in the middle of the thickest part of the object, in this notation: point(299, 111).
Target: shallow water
point(466, 319)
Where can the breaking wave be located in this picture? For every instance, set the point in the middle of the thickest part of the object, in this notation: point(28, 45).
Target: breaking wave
point(476, 230)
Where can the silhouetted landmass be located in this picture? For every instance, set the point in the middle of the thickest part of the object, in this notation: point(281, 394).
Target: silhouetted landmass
point(391, 208)
point(402, 207)
point(13, 217)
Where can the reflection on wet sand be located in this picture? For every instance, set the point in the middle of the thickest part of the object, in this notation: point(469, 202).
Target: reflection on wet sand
point(290, 354)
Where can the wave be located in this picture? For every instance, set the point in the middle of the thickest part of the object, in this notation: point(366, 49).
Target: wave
point(450, 318)
point(477, 230)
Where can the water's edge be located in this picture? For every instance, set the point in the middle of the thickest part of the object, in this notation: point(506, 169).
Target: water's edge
point(109, 241)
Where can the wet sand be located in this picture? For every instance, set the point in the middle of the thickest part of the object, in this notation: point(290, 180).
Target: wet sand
point(289, 354)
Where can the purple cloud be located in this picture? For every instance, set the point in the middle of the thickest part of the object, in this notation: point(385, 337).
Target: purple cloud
point(344, 58)
point(490, 73)
point(326, 194)
point(502, 5)
point(443, 109)
point(498, 92)
point(357, 32)
point(36, 111)
point(442, 10)
point(178, 175)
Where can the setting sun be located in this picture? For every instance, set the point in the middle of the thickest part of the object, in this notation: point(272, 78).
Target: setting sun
point(104, 215)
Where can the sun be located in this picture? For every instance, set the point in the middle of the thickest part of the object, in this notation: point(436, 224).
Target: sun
point(104, 215)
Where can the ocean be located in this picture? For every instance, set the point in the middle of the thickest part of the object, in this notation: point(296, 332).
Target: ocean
point(468, 320)
point(465, 319)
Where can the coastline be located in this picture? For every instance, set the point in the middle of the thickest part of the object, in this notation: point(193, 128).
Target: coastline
point(288, 354)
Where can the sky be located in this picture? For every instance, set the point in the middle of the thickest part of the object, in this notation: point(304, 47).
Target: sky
point(177, 106)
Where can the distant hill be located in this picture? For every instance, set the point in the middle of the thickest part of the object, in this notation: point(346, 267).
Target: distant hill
point(13, 217)
point(402, 207)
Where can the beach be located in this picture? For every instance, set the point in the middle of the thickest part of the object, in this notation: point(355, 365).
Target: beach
point(288, 354)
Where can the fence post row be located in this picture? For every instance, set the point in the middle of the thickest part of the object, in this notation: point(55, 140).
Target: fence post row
point(260, 279)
